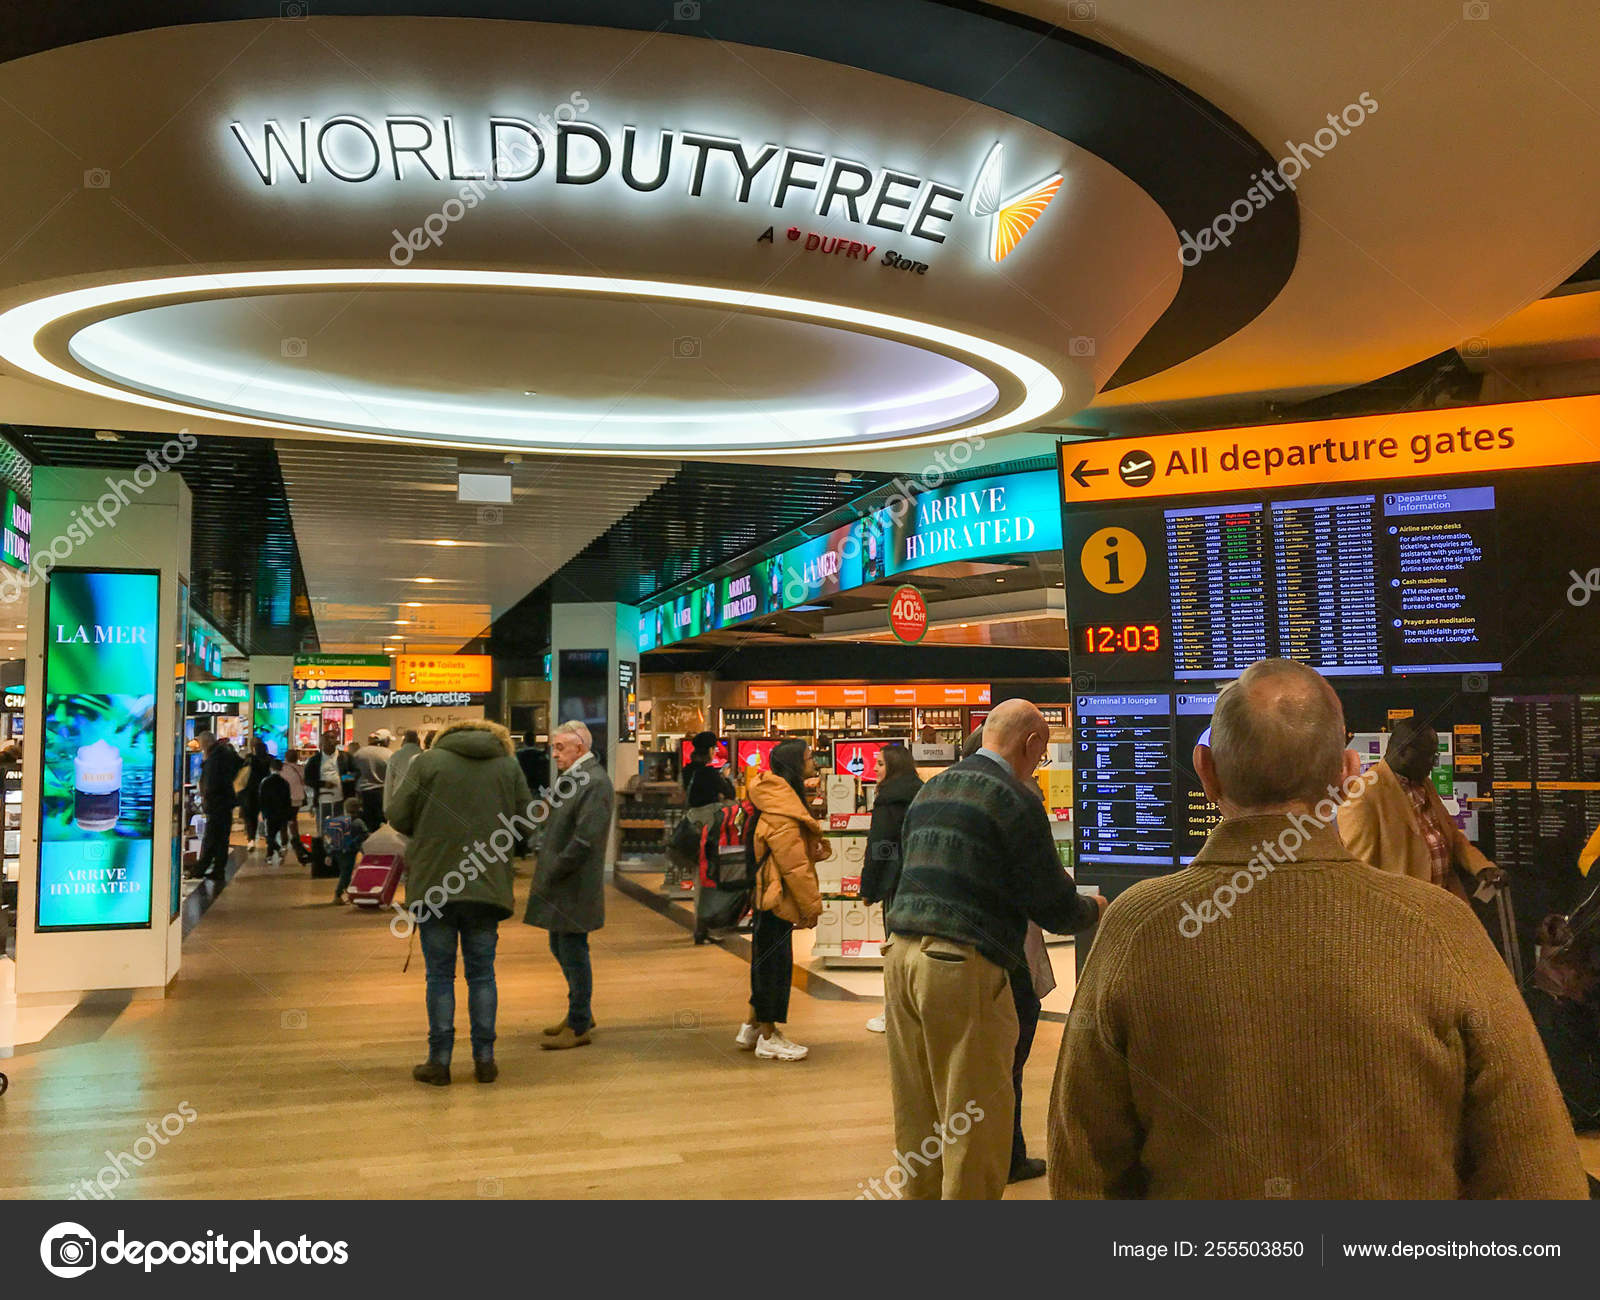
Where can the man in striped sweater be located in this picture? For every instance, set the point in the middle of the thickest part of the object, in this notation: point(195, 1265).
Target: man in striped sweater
point(979, 863)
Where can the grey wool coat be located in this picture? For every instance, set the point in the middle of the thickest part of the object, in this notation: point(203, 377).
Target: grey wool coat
point(569, 893)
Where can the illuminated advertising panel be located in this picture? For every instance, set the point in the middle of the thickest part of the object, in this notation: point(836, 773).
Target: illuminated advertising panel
point(269, 717)
point(97, 772)
point(1009, 514)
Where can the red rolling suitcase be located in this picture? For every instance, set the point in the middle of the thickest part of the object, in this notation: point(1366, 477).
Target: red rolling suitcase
point(373, 882)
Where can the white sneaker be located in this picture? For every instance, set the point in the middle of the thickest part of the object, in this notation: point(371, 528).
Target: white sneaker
point(745, 1039)
point(274, 859)
point(877, 1026)
point(779, 1048)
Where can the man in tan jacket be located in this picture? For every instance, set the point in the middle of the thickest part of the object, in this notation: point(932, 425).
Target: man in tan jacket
point(1399, 823)
point(1282, 1020)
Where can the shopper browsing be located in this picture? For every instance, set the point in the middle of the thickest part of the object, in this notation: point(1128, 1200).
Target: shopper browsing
point(979, 864)
point(703, 784)
point(256, 765)
point(294, 775)
point(399, 764)
point(330, 777)
point(784, 844)
point(1331, 1032)
point(898, 784)
point(218, 769)
point(372, 763)
point(1399, 823)
point(568, 897)
point(455, 804)
point(277, 805)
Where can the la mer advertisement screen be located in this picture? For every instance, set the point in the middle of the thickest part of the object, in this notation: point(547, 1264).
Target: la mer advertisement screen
point(97, 772)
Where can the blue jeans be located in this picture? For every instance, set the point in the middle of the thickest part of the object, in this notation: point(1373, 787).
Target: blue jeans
point(572, 951)
point(439, 938)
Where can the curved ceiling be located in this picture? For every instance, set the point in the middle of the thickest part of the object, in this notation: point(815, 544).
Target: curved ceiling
point(1467, 192)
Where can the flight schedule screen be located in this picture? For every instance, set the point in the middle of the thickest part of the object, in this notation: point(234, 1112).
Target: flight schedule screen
point(1355, 584)
point(1216, 567)
point(1122, 779)
point(1325, 565)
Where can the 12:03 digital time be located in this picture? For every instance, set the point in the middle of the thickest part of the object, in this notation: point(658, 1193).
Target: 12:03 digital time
point(1124, 638)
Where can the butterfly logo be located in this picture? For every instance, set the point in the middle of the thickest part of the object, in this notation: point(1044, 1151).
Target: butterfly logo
point(1010, 218)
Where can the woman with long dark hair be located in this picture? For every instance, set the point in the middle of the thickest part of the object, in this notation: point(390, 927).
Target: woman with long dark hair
point(785, 844)
point(898, 784)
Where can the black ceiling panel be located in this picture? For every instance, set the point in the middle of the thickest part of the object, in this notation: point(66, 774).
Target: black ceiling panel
point(705, 515)
point(244, 566)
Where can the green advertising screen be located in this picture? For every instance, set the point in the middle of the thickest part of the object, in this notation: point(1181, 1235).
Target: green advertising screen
point(96, 810)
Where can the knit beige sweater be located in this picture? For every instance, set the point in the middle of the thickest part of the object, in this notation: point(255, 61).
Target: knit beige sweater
point(1344, 1033)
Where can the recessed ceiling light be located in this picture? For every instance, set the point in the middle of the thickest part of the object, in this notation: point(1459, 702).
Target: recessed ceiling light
point(966, 625)
point(412, 604)
point(1034, 391)
point(424, 580)
point(401, 622)
point(445, 541)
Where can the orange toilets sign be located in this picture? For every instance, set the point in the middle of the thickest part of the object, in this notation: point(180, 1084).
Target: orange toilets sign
point(1409, 444)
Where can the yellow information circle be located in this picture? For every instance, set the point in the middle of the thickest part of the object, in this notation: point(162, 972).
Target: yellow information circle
point(1112, 560)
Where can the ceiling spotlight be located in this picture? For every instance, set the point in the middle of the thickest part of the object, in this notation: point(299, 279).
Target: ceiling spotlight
point(412, 604)
point(424, 580)
point(445, 541)
point(401, 622)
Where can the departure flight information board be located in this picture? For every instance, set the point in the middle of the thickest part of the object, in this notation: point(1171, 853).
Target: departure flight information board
point(1355, 584)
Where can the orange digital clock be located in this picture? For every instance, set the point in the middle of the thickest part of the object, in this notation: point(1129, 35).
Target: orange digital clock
point(1120, 638)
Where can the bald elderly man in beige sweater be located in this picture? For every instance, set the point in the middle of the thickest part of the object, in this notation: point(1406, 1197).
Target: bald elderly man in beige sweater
point(1282, 1020)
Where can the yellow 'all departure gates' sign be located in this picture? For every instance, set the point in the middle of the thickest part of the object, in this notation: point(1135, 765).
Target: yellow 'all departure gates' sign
point(1409, 444)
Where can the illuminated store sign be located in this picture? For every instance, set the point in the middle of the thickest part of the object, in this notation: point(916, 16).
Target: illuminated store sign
point(216, 698)
point(504, 150)
point(96, 806)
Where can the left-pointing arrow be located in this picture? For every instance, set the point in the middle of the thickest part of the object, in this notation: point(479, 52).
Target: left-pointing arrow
point(1082, 473)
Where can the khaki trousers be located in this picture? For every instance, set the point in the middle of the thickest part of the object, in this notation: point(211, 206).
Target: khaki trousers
point(952, 1031)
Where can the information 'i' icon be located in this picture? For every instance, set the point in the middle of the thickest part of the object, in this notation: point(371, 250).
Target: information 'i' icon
point(1112, 560)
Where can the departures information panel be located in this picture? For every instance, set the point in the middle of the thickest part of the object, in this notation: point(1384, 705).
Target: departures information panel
point(1354, 583)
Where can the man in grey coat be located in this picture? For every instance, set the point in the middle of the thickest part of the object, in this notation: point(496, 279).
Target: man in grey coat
point(568, 896)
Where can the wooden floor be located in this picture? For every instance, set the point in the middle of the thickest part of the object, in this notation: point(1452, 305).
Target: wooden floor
point(292, 1031)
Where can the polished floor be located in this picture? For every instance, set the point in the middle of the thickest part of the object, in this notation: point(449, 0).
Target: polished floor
point(280, 1067)
point(292, 1031)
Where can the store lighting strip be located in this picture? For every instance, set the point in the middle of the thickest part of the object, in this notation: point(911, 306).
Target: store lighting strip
point(21, 326)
